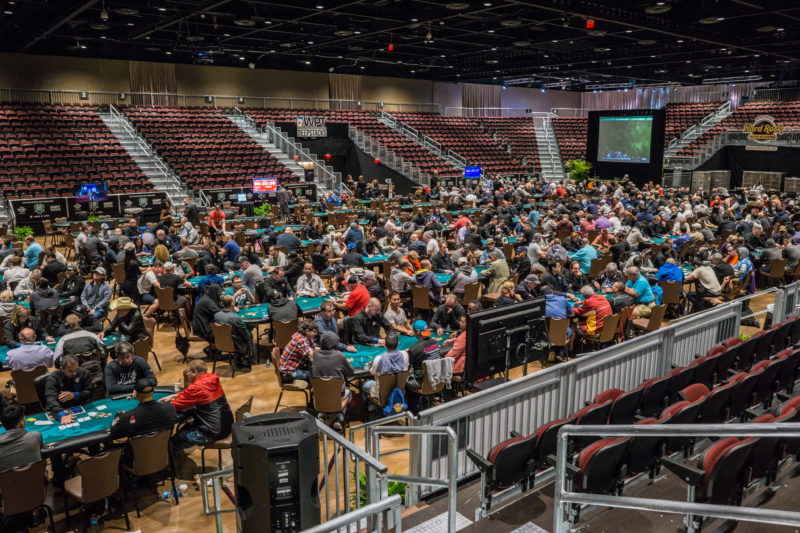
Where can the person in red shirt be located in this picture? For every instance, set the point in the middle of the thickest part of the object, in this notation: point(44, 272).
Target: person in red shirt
point(212, 416)
point(462, 221)
point(216, 220)
point(593, 309)
point(357, 300)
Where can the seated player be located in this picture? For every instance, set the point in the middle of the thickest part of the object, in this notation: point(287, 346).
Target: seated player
point(329, 362)
point(368, 322)
point(30, 353)
point(18, 446)
point(65, 388)
point(147, 417)
point(296, 356)
point(128, 321)
point(391, 362)
point(205, 400)
point(122, 373)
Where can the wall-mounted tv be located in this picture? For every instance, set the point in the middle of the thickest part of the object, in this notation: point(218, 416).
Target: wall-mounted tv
point(91, 192)
point(265, 185)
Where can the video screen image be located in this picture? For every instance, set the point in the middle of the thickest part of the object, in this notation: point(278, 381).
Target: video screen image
point(624, 139)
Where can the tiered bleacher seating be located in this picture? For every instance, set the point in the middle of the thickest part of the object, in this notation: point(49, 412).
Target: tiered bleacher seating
point(734, 382)
point(681, 117)
point(204, 147)
point(518, 135)
point(367, 123)
point(464, 137)
point(785, 113)
point(571, 136)
point(45, 150)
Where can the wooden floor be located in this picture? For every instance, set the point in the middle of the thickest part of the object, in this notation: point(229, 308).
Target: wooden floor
point(261, 383)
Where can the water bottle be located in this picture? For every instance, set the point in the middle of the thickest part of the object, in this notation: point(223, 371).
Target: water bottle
point(94, 522)
point(182, 488)
point(167, 497)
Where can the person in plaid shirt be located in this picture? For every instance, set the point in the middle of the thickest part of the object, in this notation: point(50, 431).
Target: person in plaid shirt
point(296, 357)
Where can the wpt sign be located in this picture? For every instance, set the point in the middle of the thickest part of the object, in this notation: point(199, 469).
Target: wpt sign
point(311, 127)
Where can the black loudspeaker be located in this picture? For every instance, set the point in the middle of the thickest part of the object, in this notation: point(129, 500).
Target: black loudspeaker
point(275, 471)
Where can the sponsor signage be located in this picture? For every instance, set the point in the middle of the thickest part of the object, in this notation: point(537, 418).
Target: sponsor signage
point(763, 129)
point(311, 126)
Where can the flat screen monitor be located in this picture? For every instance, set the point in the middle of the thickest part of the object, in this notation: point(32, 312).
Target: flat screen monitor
point(91, 192)
point(265, 185)
point(490, 331)
point(472, 172)
point(241, 197)
point(624, 139)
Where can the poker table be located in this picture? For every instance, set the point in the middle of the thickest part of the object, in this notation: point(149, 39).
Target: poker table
point(259, 314)
point(511, 240)
point(662, 240)
point(108, 341)
point(375, 259)
point(278, 229)
point(194, 280)
point(27, 304)
point(365, 354)
point(89, 428)
point(423, 204)
point(444, 278)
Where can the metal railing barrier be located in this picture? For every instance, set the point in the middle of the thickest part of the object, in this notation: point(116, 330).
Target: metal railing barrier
point(386, 511)
point(451, 480)
point(485, 419)
point(565, 499)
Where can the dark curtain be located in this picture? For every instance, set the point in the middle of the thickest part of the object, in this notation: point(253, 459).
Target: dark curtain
point(157, 79)
point(482, 97)
point(737, 159)
point(344, 87)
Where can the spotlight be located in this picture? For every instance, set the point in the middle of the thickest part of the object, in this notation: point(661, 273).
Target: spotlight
point(589, 24)
point(390, 47)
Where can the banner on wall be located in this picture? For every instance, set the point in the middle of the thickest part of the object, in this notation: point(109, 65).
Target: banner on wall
point(763, 129)
point(29, 211)
point(231, 194)
point(310, 126)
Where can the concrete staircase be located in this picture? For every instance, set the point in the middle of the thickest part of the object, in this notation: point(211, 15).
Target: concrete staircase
point(249, 128)
point(162, 177)
point(549, 155)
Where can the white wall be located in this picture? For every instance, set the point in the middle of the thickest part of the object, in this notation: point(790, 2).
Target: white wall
point(523, 97)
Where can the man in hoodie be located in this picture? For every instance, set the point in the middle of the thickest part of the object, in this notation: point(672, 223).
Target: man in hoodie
point(203, 394)
point(97, 295)
point(427, 278)
point(18, 447)
point(329, 362)
point(400, 280)
point(240, 334)
point(392, 362)
point(43, 297)
point(463, 275)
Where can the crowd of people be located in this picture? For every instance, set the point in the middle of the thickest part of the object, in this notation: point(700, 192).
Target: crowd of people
point(518, 239)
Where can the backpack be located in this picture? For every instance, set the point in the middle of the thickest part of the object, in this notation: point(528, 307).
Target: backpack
point(396, 403)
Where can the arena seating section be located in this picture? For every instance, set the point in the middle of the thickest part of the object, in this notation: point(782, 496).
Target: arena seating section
point(518, 135)
point(45, 150)
point(368, 124)
point(786, 113)
point(571, 131)
point(204, 148)
point(464, 136)
point(735, 381)
point(571, 136)
point(681, 117)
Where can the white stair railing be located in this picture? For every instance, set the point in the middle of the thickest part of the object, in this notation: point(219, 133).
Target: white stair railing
point(389, 157)
point(713, 118)
point(143, 147)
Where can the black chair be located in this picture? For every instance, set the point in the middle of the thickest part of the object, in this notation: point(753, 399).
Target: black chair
point(746, 355)
point(681, 378)
point(742, 396)
point(546, 440)
point(683, 412)
point(644, 453)
point(654, 397)
point(509, 463)
point(768, 381)
point(595, 414)
point(763, 344)
point(789, 374)
point(601, 467)
point(704, 370)
point(715, 407)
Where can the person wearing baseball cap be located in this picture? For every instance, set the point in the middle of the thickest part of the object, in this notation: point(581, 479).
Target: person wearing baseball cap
point(148, 417)
point(97, 294)
point(425, 349)
point(528, 288)
point(352, 257)
point(72, 286)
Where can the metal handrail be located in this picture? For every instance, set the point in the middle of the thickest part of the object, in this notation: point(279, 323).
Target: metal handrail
point(700, 127)
point(56, 96)
point(563, 498)
point(451, 483)
point(333, 180)
point(391, 505)
point(392, 160)
point(145, 147)
point(217, 510)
